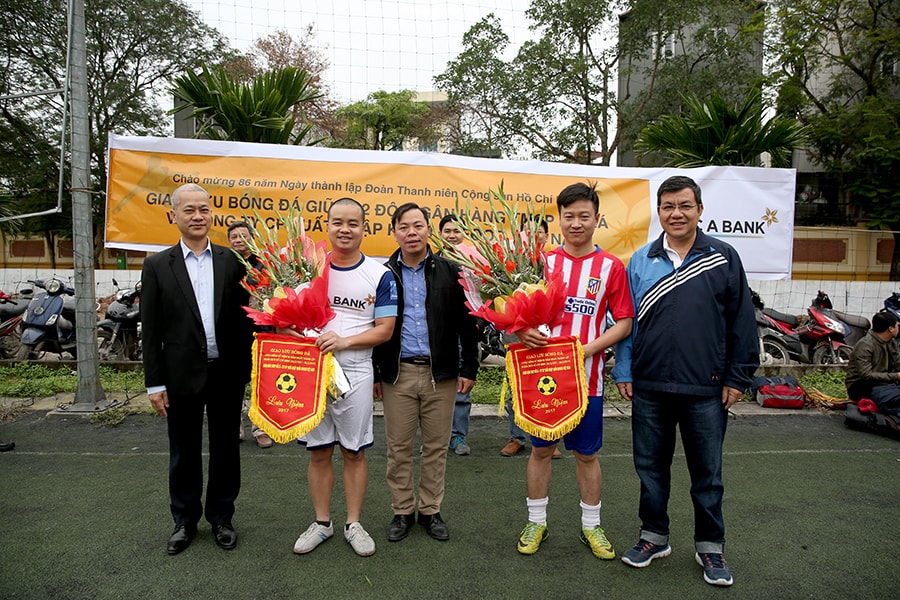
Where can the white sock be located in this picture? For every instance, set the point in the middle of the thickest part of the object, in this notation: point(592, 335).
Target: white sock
point(590, 515)
point(537, 510)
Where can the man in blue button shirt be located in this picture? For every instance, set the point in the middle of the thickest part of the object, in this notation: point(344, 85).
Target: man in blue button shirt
point(420, 370)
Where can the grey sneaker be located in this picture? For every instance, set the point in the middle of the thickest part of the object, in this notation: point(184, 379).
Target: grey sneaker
point(459, 446)
point(361, 542)
point(715, 569)
point(312, 537)
point(642, 553)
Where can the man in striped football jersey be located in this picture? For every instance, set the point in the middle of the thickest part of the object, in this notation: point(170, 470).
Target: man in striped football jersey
point(596, 283)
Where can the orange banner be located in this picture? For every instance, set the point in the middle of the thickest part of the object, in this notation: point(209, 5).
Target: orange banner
point(289, 386)
point(265, 180)
point(549, 392)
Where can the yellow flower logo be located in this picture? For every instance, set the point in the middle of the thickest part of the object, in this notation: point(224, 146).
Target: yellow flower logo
point(770, 217)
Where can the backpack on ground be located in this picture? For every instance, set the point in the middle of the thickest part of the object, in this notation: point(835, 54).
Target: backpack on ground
point(778, 392)
point(873, 422)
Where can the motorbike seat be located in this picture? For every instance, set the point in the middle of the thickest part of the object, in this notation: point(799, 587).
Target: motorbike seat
point(853, 320)
point(12, 309)
point(780, 316)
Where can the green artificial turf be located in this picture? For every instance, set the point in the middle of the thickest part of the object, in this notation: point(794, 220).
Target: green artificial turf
point(810, 510)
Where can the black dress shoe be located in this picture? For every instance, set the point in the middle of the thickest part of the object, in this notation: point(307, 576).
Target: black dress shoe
point(435, 526)
point(180, 539)
point(225, 536)
point(7, 446)
point(400, 526)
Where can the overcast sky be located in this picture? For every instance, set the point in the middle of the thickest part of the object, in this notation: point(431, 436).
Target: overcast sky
point(370, 44)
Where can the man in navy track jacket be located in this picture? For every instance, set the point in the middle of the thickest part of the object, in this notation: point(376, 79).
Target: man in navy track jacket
point(692, 352)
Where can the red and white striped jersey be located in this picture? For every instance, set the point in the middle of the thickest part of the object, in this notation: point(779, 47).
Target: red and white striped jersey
point(595, 283)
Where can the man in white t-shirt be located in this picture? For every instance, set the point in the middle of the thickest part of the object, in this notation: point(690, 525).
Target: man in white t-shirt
point(363, 295)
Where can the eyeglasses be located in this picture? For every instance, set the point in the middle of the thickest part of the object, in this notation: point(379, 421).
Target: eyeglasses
point(684, 207)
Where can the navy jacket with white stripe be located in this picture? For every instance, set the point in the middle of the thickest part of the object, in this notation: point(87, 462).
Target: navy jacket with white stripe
point(695, 329)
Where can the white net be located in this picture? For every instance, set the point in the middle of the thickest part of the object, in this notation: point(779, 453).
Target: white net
point(370, 45)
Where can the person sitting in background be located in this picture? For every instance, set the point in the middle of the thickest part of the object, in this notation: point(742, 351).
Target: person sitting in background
point(874, 370)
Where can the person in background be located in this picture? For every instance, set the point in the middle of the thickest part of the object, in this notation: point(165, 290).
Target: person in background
point(238, 234)
point(874, 369)
point(691, 354)
point(462, 410)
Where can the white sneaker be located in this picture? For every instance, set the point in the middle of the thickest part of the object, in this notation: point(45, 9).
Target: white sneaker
point(312, 537)
point(361, 542)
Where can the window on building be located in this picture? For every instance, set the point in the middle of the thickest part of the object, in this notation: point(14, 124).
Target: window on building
point(26, 249)
point(663, 45)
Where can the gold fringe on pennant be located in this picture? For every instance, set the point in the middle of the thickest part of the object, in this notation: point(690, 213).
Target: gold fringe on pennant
point(568, 425)
point(286, 436)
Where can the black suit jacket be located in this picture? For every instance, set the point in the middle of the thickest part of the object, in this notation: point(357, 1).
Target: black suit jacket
point(174, 343)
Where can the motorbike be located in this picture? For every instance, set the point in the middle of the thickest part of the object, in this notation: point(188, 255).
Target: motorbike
point(822, 337)
point(490, 341)
point(49, 321)
point(11, 313)
point(119, 334)
point(858, 326)
point(775, 346)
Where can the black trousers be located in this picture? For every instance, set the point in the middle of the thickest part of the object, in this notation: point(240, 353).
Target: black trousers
point(221, 399)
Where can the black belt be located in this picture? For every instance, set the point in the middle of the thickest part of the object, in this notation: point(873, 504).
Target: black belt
point(422, 361)
point(212, 360)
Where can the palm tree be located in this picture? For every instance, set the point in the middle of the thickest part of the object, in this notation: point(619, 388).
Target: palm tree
point(715, 133)
point(258, 111)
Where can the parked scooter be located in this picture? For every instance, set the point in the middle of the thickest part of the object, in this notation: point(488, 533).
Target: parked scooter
point(119, 334)
point(775, 347)
point(858, 325)
point(822, 337)
point(49, 322)
point(11, 313)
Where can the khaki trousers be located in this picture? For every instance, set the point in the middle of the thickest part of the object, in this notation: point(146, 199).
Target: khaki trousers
point(416, 402)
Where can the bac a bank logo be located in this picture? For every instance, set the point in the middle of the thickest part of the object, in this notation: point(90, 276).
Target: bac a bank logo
point(736, 228)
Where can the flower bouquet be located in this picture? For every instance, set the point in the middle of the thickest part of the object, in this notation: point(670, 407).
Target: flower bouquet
point(288, 285)
point(505, 278)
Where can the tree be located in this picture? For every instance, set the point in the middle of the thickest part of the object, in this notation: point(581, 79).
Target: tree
point(280, 49)
point(134, 48)
point(712, 132)
point(558, 99)
point(384, 120)
point(258, 111)
point(670, 48)
point(836, 65)
point(476, 82)
point(555, 97)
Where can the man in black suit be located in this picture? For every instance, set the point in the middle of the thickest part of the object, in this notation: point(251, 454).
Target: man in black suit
point(196, 346)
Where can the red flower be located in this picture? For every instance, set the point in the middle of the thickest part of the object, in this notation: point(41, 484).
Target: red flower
point(510, 266)
point(307, 309)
